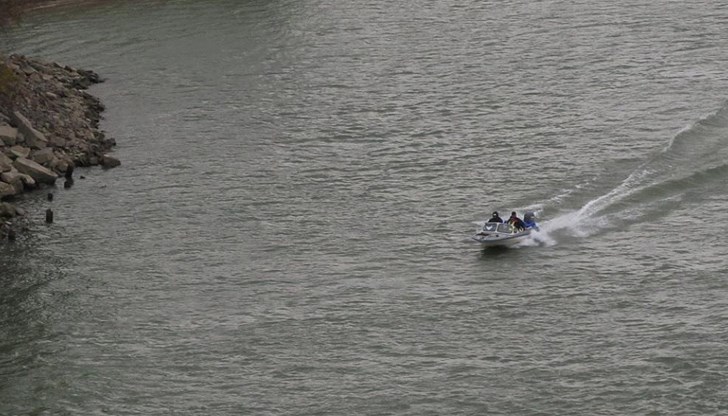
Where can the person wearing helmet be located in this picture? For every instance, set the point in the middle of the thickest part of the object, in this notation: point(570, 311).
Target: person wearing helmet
point(495, 218)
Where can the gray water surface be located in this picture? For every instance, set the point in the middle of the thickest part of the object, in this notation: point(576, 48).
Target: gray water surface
point(289, 232)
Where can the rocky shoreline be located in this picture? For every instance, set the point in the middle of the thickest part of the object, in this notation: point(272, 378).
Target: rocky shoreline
point(49, 125)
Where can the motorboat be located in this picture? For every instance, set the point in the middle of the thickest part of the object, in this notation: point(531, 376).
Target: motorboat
point(496, 234)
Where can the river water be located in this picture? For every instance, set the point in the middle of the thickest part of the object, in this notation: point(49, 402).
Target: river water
point(289, 232)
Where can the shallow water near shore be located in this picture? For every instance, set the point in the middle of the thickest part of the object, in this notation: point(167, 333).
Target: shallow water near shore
point(289, 232)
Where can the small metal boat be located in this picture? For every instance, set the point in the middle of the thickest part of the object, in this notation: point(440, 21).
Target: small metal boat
point(496, 234)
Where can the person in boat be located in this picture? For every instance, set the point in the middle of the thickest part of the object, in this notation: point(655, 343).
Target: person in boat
point(516, 222)
point(529, 220)
point(495, 218)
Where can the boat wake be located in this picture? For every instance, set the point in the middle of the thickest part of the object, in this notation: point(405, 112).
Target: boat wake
point(693, 164)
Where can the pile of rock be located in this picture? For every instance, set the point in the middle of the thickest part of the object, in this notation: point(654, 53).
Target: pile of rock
point(48, 125)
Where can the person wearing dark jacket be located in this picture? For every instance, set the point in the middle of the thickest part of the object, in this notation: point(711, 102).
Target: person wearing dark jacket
point(495, 218)
point(516, 222)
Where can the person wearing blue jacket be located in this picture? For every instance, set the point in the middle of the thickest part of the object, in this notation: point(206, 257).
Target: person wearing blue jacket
point(529, 220)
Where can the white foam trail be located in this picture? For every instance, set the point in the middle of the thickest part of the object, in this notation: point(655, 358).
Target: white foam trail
point(692, 126)
point(585, 221)
point(681, 150)
point(556, 199)
point(626, 188)
point(538, 238)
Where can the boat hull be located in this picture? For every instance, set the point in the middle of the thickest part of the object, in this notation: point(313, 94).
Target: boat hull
point(501, 239)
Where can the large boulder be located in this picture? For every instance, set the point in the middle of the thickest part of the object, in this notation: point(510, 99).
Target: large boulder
point(109, 161)
point(18, 151)
point(58, 165)
point(33, 138)
point(28, 181)
point(14, 179)
point(57, 141)
point(7, 190)
point(8, 135)
point(35, 171)
point(43, 156)
point(7, 210)
point(6, 163)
